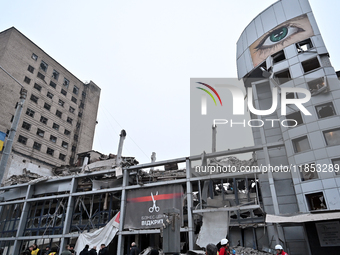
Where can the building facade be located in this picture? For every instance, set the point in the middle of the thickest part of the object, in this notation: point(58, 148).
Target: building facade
point(282, 49)
point(58, 119)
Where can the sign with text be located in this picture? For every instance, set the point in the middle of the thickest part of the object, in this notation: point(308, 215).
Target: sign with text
point(145, 208)
point(329, 233)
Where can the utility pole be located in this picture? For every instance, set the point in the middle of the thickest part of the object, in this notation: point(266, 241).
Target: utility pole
point(9, 141)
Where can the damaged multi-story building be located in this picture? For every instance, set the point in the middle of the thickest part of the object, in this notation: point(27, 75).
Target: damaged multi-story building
point(58, 117)
point(280, 48)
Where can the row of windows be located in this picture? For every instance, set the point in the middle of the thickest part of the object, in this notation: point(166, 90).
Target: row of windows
point(332, 137)
point(323, 111)
point(55, 74)
point(44, 120)
point(37, 146)
point(47, 106)
point(49, 94)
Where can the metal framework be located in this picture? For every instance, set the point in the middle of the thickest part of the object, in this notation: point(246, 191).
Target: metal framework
point(29, 214)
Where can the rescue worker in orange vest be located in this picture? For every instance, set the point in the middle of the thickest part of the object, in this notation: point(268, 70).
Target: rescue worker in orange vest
point(279, 250)
point(36, 250)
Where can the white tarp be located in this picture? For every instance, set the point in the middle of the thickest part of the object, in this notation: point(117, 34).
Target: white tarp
point(215, 227)
point(302, 217)
point(100, 236)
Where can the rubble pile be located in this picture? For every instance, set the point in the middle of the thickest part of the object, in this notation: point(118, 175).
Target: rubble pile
point(157, 175)
point(27, 176)
point(248, 251)
point(234, 161)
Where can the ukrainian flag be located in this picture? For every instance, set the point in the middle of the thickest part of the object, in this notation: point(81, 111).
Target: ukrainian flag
point(2, 139)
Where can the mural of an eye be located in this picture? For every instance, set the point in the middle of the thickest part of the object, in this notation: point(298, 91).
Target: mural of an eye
point(278, 36)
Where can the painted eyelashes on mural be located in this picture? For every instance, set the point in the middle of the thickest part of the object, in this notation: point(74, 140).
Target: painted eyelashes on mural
point(281, 36)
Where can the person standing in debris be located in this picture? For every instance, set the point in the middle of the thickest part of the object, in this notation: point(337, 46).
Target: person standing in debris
point(279, 250)
point(53, 251)
point(67, 251)
point(134, 249)
point(224, 250)
point(211, 249)
point(103, 250)
point(71, 249)
point(28, 251)
point(85, 251)
point(93, 251)
point(47, 250)
point(36, 250)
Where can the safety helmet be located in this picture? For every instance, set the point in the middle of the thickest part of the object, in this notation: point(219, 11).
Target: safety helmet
point(278, 247)
point(224, 241)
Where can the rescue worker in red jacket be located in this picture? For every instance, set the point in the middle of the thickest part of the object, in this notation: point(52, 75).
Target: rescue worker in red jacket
point(224, 250)
point(279, 250)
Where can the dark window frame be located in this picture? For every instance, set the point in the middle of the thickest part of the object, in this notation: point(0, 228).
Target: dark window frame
point(34, 98)
point(298, 140)
point(27, 80)
point(22, 139)
point(325, 105)
point(26, 125)
point(47, 106)
point(43, 120)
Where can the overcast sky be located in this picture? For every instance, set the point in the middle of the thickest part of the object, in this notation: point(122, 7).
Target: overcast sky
point(142, 55)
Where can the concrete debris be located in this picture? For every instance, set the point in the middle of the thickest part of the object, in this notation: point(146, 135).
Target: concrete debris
point(27, 176)
point(233, 161)
point(158, 175)
point(147, 251)
point(247, 251)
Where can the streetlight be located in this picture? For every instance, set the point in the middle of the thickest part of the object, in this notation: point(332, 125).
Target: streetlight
point(9, 142)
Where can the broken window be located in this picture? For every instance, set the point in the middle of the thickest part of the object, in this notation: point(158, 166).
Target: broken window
point(336, 166)
point(30, 69)
point(43, 66)
point(301, 144)
point(279, 56)
point(75, 90)
point(43, 120)
point(64, 144)
point(55, 126)
point(53, 85)
point(317, 86)
point(282, 77)
point(310, 65)
point(50, 95)
point(34, 57)
point(325, 110)
point(27, 80)
point(30, 112)
point(41, 76)
point(64, 92)
point(66, 82)
point(67, 132)
point(62, 157)
point(37, 146)
point(61, 102)
point(34, 98)
point(40, 132)
point(47, 106)
point(58, 113)
point(316, 201)
point(22, 139)
point(26, 125)
point(50, 151)
point(294, 116)
point(71, 109)
point(46, 217)
point(308, 172)
point(69, 120)
point(10, 217)
point(55, 74)
point(53, 139)
point(304, 45)
point(74, 100)
point(37, 87)
point(332, 137)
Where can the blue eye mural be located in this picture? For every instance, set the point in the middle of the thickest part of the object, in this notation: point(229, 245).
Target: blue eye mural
point(283, 35)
